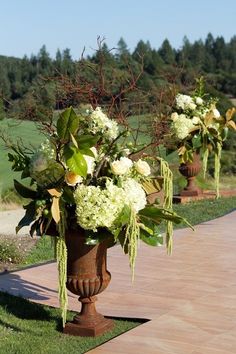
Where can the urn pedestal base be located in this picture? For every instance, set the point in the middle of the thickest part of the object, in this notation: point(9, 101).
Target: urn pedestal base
point(190, 170)
point(191, 190)
point(88, 323)
point(75, 329)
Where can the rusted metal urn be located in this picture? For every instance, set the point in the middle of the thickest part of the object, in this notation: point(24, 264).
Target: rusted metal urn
point(190, 170)
point(87, 276)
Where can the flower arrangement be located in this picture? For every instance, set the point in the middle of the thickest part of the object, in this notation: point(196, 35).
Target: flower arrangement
point(82, 178)
point(197, 124)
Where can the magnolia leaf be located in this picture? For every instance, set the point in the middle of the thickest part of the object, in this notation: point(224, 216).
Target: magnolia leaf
point(146, 228)
point(154, 214)
point(24, 191)
point(54, 192)
point(209, 117)
point(224, 133)
point(153, 185)
point(125, 215)
point(123, 241)
point(196, 141)
point(37, 228)
point(68, 195)
point(151, 240)
point(25, 173)
point(181, 150)
point(29, 216)
point(68, 123)
point(231, 124)
point(229, 114)
point(197, 127)
point(103, 236)
point(87, 152)
point(74, 140)
point(87, 141)
point(55, 209)
point(75, 161)
point(91, 241)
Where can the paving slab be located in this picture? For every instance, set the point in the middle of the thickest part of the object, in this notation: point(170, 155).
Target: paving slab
point(189, 298)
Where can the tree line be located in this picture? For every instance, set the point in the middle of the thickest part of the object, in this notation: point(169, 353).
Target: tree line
point(33, 81)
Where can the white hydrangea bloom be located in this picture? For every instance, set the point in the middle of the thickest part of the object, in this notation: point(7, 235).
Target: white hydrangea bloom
point(142, 167)
point(96, 207)
point(199, 101)
point(185, 102)
point(182, 126)
point(121, 166)
point(192, 106)
point(134, 194)
point(91, 161)
point(196, 120)
point(100, 123)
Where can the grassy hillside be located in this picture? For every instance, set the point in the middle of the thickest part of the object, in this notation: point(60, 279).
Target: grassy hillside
point(25, 130)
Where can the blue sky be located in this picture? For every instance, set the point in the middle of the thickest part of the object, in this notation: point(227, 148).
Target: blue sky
point(25, 25)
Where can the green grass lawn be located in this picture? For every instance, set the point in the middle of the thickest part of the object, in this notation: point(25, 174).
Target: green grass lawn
point(25, 130)
point(204, 210)
point(29, 328)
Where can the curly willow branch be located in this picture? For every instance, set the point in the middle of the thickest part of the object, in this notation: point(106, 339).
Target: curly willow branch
point(167, 175)
point(61, 252)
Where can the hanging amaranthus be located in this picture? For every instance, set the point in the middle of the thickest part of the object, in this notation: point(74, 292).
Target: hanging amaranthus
point(217, 169)
point(132, 235)
point(61, 253)
point(167, 175)
point(205, 161)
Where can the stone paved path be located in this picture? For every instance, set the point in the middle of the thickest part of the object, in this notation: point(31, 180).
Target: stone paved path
point(189, 297)
point(9, 220)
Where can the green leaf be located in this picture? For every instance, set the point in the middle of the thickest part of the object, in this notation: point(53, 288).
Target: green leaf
point(87, 152)
point(196, 141)
point(103, 235)
point(68, 123)
point(125, 215)
point(75, 161)
point(151, 240)
point(124, 244)
point(153, 185)
point(156, 215)
point(24, 191)
point(87, 141)
point(74, 140)
point(25, 173)
point(91, 241)
point(36, 228)
point(68, 195)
